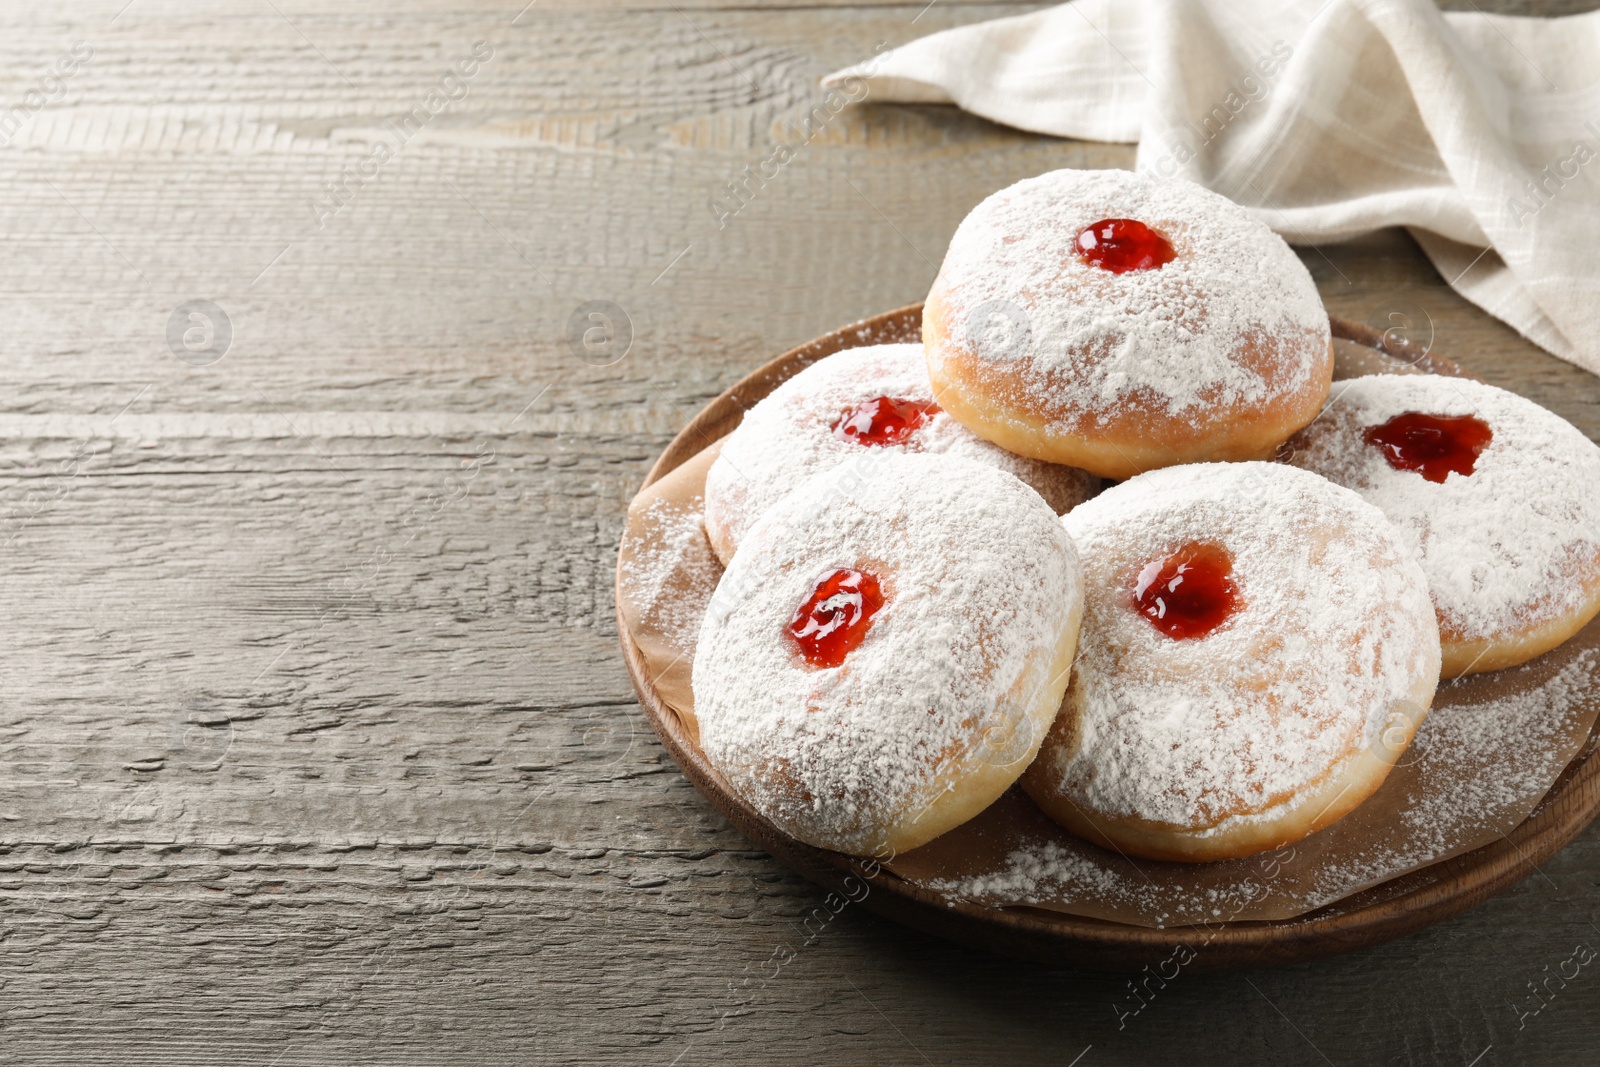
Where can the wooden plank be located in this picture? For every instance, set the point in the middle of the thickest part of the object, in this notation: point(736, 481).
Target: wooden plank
point(316, 744)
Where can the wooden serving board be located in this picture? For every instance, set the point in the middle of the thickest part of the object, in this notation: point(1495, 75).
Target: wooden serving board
point(1381, 913)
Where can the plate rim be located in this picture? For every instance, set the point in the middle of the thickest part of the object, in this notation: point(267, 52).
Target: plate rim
point(1391, 909)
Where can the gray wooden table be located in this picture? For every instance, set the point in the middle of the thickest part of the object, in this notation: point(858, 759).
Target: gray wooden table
point(317, 748)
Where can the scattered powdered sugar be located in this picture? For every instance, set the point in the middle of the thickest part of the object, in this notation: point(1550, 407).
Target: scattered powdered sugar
point(1514, 735)
point(1476, 769)
point(1481, 766)
point(1333, 630)
point(980, 582)
point(1504, 548)
point(1070, 877)
point(1088, 342)
point(670, 571)
point(896, 330)
point(788, 437)
point(1048, 871)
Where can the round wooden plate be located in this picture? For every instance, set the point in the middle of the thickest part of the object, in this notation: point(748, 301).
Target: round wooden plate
point(1392, 909)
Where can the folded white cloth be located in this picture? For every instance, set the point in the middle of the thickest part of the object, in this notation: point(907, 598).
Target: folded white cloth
point(1479, 132)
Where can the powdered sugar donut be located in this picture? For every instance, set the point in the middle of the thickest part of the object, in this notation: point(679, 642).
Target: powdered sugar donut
point(874, 397)
point(1498, 497)
point(887, 649)
point(1119, 323)
point(1257, 649)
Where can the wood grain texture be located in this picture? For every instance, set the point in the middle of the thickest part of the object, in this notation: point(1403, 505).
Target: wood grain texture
point(316, 747)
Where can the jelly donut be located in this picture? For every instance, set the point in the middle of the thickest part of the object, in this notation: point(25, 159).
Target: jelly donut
point(1119, 323)
point(882, 659)
point(1257, 649)
point(1498, 497)
point(834, 410)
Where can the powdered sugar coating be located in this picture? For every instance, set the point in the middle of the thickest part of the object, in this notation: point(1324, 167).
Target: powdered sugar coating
point(1333, 630)
point(980, 583)
point(788, 437)
point(1233, 322)
point(1512, 545)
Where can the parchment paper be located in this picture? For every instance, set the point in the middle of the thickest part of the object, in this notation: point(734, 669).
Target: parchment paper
point(1483, 759)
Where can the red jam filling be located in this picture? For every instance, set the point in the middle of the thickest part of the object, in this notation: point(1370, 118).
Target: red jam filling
point(836, 617)
point(1189, 593)
point(1431, 445)
point(1121, 245)
point(885, 421)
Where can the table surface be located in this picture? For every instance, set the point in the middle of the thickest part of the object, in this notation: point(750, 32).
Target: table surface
point(317, 744)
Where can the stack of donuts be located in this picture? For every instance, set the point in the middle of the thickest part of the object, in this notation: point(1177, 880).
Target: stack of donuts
point(1110, 533)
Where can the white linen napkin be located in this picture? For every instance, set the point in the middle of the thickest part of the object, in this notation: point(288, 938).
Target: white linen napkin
point(1479, 132)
